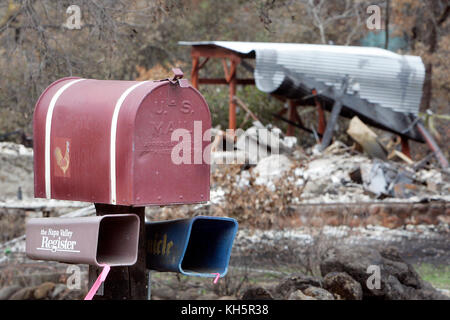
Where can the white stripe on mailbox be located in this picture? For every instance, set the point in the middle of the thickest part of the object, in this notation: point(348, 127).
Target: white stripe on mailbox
point(112, 156)
point(48, 131)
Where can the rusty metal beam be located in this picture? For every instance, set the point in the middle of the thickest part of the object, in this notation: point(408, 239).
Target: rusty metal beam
point(232, 103)
point(322, 123)
point(203, 63)
point(405, 146)
point(194, 72)
point(432, 144)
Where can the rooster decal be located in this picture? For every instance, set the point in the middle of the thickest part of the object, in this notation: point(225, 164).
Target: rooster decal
point(63, 162)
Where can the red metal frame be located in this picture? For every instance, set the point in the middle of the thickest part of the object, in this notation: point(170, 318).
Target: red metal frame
point(230, 60)
point(405, 146)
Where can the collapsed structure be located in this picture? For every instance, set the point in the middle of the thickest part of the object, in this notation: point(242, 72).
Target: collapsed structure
point(382, 88)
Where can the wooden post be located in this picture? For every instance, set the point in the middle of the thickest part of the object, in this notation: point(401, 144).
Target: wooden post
point(432, 144)
point(321, 114)
point(232, 103)
point(124, 283)
point(194, 72)
point(292, 116)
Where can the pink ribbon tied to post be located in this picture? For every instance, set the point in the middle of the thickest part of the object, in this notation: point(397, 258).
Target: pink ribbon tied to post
point(101, 278)
point(217, 277)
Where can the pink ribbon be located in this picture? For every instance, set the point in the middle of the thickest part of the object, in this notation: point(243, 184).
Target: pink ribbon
point(101, 278)
point(217, 277)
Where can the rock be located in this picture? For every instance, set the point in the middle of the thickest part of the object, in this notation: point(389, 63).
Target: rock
point(342, 284)
point(293, 283)
point(227, 157)
point(208, 296)
point(248, 142)
point(397, 279)
point(227, 298)
point(318, 293)
point(257, 293)
point(58, 290)
point(7, 292)
point(16, 170)
point(444, 292)
point(298, 295)
point(316, 187)
point(189, 294)
point(23, 294)
point(272, 168)
point(164, 293)
point(395, 265)
point(374, 179)
point(43, 290)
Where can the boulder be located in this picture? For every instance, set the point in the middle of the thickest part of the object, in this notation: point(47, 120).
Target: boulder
point(298, 295)
point(208, 296)
point(7, 292)
point(295, 282)
point(396, 279)
point(318, 293)
point(43, 290)
point(227, 298)
point(340, 283)
point(165, 293)
point(23, 294)
point(257, 293)
point(59, 289)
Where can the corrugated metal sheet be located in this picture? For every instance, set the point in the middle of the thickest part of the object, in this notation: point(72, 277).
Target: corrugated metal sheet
point(385, 78)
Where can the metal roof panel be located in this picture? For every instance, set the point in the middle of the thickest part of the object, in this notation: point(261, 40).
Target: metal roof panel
point(385, 78)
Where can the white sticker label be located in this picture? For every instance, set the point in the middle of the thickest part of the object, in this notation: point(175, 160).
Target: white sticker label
point(57, 240)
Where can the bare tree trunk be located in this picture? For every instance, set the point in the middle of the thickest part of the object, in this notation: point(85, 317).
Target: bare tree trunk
point(386, 24)
point(428, 83)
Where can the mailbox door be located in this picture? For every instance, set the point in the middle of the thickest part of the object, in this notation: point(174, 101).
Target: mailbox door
point(171, 122)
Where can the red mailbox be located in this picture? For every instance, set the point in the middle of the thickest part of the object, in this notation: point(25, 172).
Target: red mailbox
point(120, 142)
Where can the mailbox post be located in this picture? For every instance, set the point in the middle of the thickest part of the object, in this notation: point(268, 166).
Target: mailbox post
point(124, 145)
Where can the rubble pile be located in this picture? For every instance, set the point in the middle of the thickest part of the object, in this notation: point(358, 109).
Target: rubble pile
point(278, 183)
point(278, 175)
point(16, 171)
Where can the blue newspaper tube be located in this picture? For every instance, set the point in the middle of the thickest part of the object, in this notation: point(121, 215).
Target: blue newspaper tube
point(199, 246)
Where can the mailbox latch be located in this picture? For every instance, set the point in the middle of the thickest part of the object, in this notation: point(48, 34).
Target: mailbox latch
point(177, 78)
